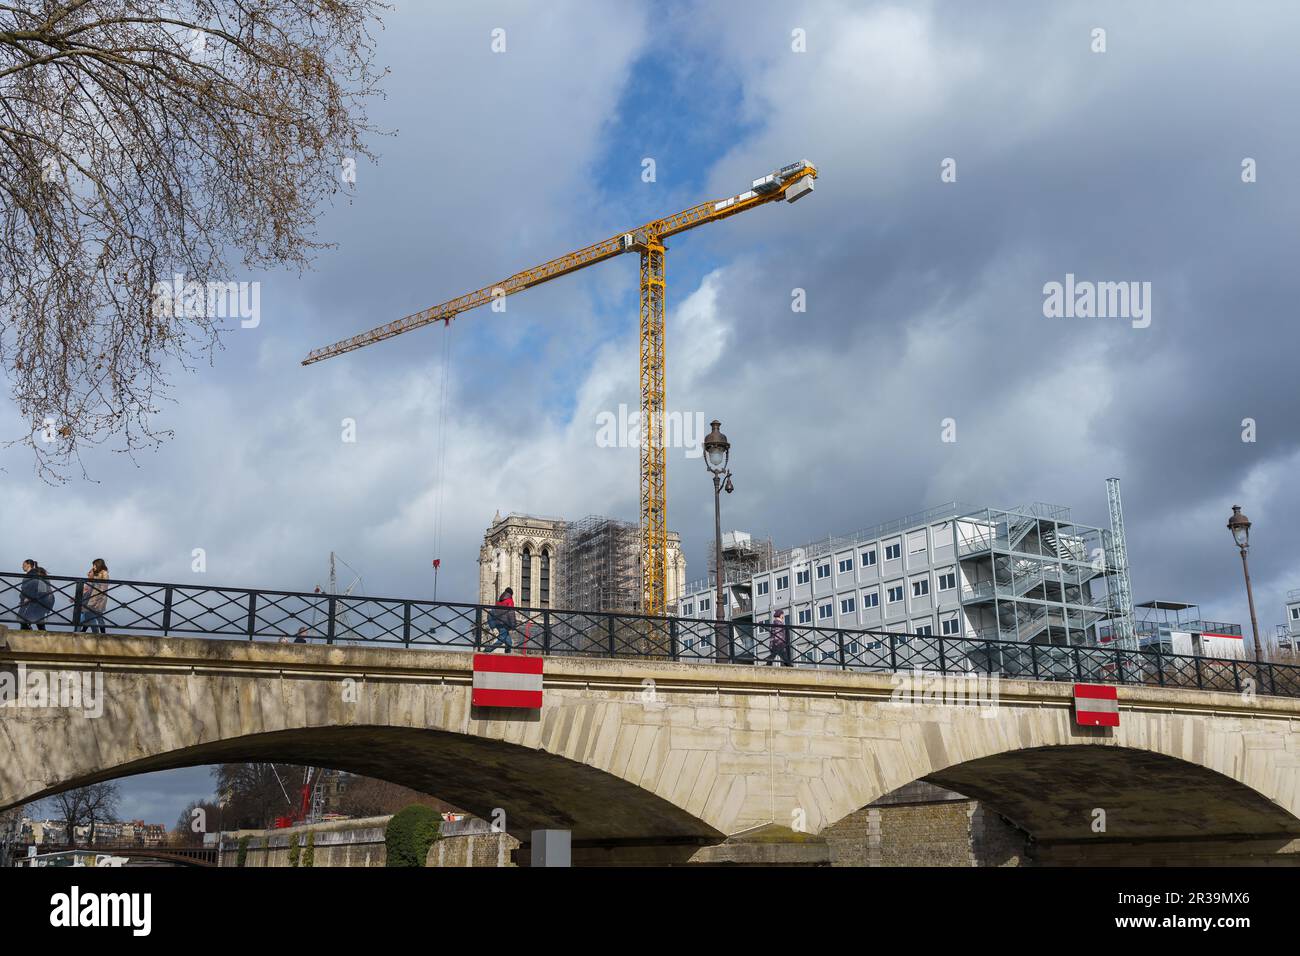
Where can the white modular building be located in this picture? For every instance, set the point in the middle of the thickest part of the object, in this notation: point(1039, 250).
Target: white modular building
point(1028, 574)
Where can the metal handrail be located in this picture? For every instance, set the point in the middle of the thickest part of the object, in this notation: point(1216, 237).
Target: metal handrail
point(258, 614)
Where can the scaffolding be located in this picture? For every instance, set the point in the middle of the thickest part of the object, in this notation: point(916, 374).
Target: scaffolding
point(743, 555)
point(1117, 557)
point(1033, 574)
point(602, 565)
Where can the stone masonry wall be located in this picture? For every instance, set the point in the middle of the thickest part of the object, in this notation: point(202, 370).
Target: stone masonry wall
point(924, 825)
point(338, 843)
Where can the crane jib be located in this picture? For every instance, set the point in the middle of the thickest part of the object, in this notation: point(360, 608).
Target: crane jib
point(790, 182)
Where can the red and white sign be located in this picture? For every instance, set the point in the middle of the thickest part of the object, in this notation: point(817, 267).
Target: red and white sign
point(507, 680)
point(1096, 705)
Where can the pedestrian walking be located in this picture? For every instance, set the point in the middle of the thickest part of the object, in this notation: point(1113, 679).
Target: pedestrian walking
point(501, 621)
point(27, 592)
point(35, 596)
point(94, 598)
point(778, 643)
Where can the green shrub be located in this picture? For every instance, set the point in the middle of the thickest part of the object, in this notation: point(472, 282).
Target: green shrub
point(410, 833)
point(309, 854)
point(242, 855)
point(294, 850)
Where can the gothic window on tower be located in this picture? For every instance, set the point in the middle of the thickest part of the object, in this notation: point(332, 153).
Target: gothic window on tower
point(526, 578)
point(546, 577)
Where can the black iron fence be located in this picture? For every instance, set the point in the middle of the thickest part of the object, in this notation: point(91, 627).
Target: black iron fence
point(127, 607)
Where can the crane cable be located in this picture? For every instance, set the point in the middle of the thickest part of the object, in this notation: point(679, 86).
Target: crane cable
point(440, 446)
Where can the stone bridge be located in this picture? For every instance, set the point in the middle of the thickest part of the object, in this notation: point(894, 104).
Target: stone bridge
point(649, 761)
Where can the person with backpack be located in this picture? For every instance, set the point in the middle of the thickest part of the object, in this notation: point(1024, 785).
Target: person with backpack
point(94, 598)
point(778, 645)
point(501, 621)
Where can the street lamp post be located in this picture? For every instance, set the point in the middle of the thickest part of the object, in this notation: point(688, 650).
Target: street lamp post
point(1239, 525)
point(717, 454)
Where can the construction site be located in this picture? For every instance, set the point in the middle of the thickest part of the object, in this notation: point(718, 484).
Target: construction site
point(591, 564)
point(607, 578)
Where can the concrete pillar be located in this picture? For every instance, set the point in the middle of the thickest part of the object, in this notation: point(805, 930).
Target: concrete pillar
point(552, 848)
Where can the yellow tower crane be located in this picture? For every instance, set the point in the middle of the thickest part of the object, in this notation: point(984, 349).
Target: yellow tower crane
point(790, 183)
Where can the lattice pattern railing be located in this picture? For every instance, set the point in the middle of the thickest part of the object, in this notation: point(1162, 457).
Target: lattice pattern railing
point(314, 617)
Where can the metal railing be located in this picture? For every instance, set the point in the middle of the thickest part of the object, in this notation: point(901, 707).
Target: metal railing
point(315, 617)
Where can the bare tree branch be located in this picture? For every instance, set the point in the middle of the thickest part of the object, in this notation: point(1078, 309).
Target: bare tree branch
point(142, 141)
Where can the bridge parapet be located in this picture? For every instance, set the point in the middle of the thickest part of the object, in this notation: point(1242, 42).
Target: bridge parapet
point(139, 607)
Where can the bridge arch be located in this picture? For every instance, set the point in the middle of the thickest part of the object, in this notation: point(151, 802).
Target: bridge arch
point(650, 750)
point(1170, 777)
point(481, 774)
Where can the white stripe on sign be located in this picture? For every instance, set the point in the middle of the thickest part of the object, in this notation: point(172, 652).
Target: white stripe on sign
point(502, 680)
point(1097, 705)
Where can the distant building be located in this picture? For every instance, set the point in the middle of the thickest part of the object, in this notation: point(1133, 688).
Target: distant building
point(593, 564)
point(1175, 627)
point(1287, 636)
point(1028, 574)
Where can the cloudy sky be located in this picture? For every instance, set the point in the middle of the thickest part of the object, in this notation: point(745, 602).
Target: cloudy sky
point(924, 298)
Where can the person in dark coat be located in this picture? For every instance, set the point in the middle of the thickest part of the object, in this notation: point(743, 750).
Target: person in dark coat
point(501, 621)
point(36, 596)
point(778, 644)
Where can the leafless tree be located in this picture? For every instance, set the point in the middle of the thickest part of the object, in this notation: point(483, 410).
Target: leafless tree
point(85, 807)
point(11, 821)
point(144, 140)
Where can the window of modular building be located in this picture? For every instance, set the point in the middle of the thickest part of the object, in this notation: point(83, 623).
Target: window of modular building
point(916, 542)
point(869, 558)
point(823, 571)
point(847, 606)
point(783, 583)
point(893, 552)
point(801, 577)
point(824, 611)
point(947, 580)
point(688, 610)
point(805, 615)
point(846, 565)
point(895, 594)
point(870, 599)
point(1295, 613)
point(924, 630)
point(950, 626)
point(762, 587)
point(920, 587)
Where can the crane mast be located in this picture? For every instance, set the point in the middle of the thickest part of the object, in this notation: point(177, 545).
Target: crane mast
point(790, 183)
